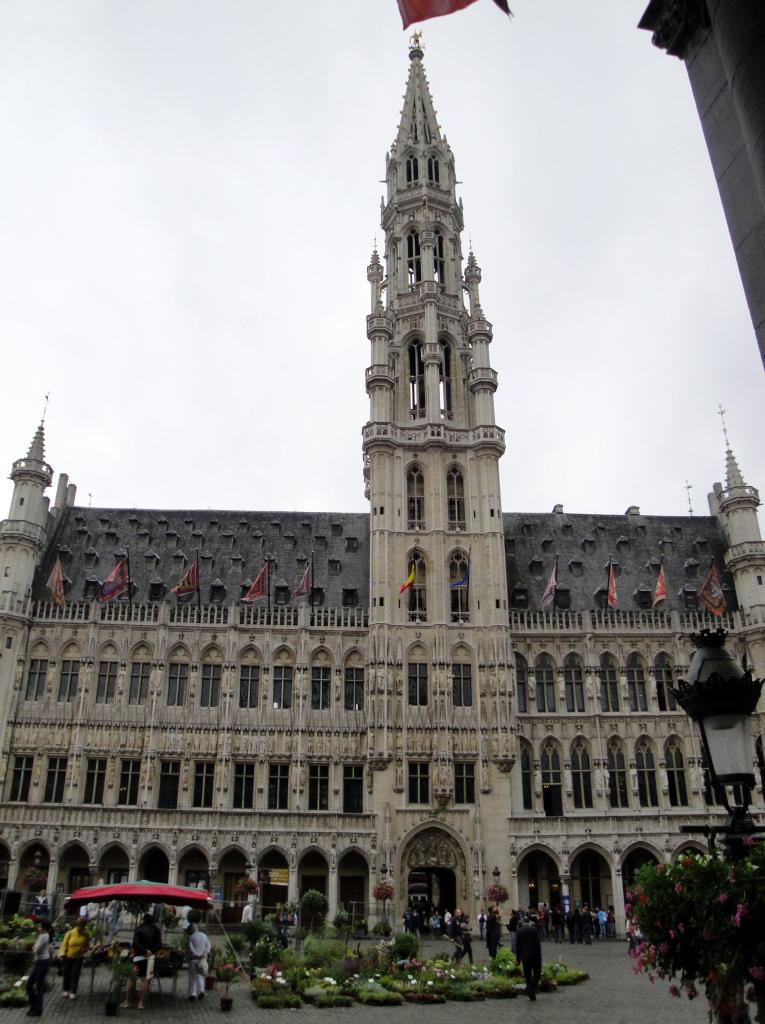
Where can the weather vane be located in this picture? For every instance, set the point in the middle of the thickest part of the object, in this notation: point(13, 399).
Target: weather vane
point(721, 413)
point(45, 407)
point(688, 489)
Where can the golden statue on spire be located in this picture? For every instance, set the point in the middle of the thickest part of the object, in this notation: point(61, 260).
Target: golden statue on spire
point(415, 40)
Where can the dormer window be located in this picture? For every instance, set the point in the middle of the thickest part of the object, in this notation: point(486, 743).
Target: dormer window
point(156, 590)
point(413, 260)
point(412, 170)
point(433, 171)
point(217, 592)
point(281, 594)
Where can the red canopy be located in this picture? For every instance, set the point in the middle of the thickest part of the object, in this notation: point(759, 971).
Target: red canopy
point(141, 892)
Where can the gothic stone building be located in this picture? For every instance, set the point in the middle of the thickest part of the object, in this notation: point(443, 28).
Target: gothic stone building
point(431, 738)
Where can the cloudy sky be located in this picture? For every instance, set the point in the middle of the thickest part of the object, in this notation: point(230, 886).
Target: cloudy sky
point(190, 195)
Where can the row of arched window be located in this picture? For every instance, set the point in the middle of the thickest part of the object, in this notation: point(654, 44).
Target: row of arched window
point(543, 686)
point(414, 269)
point(619, 789)
point(458, 587)
point(415, 499)
point(417, 401)
point(430, 165)
point(186, 682)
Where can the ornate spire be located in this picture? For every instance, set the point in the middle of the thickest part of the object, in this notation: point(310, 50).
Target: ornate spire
point(733, 477)
point(37, 447)
point(418, 125)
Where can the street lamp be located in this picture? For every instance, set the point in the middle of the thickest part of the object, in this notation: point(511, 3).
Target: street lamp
point(720, 696)
point(495, 875)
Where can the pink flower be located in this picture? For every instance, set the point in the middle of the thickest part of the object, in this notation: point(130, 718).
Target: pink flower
point(741, 911)
point(678, 887)
point(627, 908)
point(674, 991)
point(747, 841)
point(660, 869)
point(758, 973)
point(722, 897)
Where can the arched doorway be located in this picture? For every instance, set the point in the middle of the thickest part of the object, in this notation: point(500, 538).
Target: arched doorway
point(353, 885)
point(591, 880)
point(114, 865)
point(434, 872)
point(232, 866)
point(5, 865)
point(154, 865)
point(634, 860)
point(273, 876)
point(74, 868)
point(33, 869)
point(194, 868)
point(538, 880)
point(313, 873)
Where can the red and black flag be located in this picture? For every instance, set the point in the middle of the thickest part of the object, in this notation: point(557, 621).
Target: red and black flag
point(711, 594)
point(611, 590)
point(55, 584)
point(259, 586)
point(422, 10)
point(188, 585)
point(304, 586)
point(660, 593)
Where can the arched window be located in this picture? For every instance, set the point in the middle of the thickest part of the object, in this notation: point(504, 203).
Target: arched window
point(462, 680)
point(140, 670)
point(69, 675)
point(417, 679)
point(609, 684)
point(418, 604)
point(434, 176)
point(618, 794)
point(645, 764)
point(664, 679)
point(412, 169)
point(573, 677)
point(416, 381)
point(249, 679)
point(552, 789)
point(439, 264)
point(209, 690)
point(455, 499)
point(354, 682)
point(413, 261)
point(521, 683)
point(677, 786)
point(321, 681)
point(527, 780)
point(415, 499)
point(177, 678)
point(459, 587)
point(581, 775)
point(445, 381)
point(636, 684)
point(282, 680)
point(544, 673)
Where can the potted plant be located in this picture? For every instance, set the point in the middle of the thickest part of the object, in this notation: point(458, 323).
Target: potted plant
point(121, 970)
point(228, 974)
point(213, 960)
point(313, 909)
point(383, 892)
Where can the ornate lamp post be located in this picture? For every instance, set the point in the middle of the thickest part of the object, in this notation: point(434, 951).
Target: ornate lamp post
point(721, 696)
point(495, 875)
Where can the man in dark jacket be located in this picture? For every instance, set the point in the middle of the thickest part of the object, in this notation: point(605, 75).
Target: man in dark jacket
point(147, 940)
point(492, 932)
point(529, 951)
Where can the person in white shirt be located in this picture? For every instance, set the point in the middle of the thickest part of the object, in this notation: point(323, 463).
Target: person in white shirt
point(199, 947)
point(247, 913)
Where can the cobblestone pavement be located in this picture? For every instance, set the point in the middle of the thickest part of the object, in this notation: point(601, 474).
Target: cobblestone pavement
point(612, 995)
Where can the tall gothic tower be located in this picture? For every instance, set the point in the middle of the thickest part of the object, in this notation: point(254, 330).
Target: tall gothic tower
point(438, 650)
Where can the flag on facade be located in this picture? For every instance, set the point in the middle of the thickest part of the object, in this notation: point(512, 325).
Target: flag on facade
point(660, 593)
point(464, 579)
point(422, 10)
point(116, 583)
point(258, 589)
point(55, 584)
point(611, 592)
point(408, 581)
point(188, 584)
point(711, 593)
point(552, 585)
point(304, 586)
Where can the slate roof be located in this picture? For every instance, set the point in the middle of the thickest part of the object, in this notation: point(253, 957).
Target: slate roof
point(232, 546)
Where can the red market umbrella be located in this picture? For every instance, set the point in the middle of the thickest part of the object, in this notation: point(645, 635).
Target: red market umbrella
point(141, 892)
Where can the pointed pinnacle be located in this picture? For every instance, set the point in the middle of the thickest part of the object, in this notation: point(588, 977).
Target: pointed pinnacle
point(37, 447)
point(733, 477)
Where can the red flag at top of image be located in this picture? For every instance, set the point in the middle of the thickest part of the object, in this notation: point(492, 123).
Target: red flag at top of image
point(304, 586)
point(55, 584)
point(116, 582)
point(660, 594)
point(258, 589)
point(611, 595)
point(422, 10)
point(188, 584)
point(711, 593)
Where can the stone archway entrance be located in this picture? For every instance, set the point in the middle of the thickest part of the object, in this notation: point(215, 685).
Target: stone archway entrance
point(434, 871)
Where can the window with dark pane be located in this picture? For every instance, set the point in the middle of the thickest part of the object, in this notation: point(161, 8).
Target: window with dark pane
point(138, 692)
point(21, 779)
point(204, 778)
point(353, 788)
point(462, 685)
point(645, 764)
point(106, 686)
point(321, 681)
point(95, 780)
point(544, 673)
point(38, 668)
point(618, 795)
point(573, 678)
point(419, 787)
point(464, 782)
point(354, 688)
point(278, 787)
point(552, 787)
point(244, 785)
point(609, 684)
point(249, 683)
point(521, 683)
point(581, 775)
point(177, 683)
point(282, 686)
point(68, 679)
point(636, 688)
point(130, 774)
point(418, 683)
point(318, 787)
point(209, 692)
point(54, 780)
point(169, 779)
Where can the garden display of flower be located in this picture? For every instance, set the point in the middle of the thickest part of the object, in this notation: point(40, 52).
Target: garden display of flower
point(701, 921)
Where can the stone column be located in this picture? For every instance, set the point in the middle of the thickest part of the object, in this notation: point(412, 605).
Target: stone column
point(618, 887)
point(332, 887)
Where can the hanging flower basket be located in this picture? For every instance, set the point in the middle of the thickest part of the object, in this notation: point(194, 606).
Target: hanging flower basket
point(246, 887)
point(383, 891)
point(497, 894)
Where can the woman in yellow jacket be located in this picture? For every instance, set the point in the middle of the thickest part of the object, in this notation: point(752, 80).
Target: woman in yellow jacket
point(72, 952)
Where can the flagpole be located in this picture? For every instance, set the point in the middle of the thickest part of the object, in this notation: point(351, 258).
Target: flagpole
point(130, 584)
point(268, 585)
point(310, 584)
point(199, 591)
point(608, 582)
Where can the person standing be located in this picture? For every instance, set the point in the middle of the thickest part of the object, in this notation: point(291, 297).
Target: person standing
point(199, 947)
point(529, 950)
point(147, 939)
point(482, 924)
point(512, 928)
point(74, 946)
point(40, 965)
point(492, 932)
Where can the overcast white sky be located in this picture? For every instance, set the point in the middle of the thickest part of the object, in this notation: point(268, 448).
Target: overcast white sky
point(190, 190)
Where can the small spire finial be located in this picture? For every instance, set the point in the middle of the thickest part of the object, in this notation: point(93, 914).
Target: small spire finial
point(688, 489)
point(415, 41)
point(45, 407)
point(90, 500)
point(721, 413)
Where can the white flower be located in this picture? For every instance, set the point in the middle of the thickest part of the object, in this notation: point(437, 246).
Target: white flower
point(430, 982)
